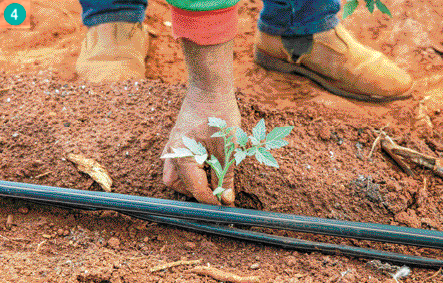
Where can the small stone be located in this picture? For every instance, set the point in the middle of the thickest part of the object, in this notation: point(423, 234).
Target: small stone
point(190, 245)
point(46, 236)
point(255, 266)
point(146, 239)
point(60, 232)
point(114, 242)
point(9, 221)
point(290, 260)
point(66, 124)
point(66, 233)
point(160, 238)
point(23, 210)
point(209, 246)
point(14, 135)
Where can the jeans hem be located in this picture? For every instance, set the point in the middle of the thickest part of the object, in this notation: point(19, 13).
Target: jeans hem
point(327, 23)
point(121, 16)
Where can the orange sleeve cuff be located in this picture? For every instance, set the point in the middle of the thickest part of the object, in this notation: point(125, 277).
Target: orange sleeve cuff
point(205, 27)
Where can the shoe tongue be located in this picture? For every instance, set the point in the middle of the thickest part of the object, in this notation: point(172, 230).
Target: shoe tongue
point(297, 45)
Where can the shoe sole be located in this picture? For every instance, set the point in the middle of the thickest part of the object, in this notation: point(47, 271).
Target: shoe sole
point(275, 64)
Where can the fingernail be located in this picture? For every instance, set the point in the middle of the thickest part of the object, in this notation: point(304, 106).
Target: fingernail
point(228, 196)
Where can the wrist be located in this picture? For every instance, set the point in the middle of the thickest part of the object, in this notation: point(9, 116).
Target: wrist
point(218, 96)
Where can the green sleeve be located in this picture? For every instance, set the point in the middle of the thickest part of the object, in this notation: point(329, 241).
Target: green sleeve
point(202, 5)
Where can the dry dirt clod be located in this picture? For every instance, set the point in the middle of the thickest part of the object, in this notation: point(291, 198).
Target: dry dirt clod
point(190, 245)
point(114, 242)
point(255, 266)
point(23, 210)
point(60, 232)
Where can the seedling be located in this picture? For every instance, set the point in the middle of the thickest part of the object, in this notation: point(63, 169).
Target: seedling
point(257, 145)
point(351, 5)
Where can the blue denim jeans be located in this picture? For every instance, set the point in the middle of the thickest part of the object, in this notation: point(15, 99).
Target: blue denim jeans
point(278, 17)
point(298, 17)
point(97, 12)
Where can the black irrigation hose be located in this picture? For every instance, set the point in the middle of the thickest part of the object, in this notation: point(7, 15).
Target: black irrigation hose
point(156, 209)
point(293, 243)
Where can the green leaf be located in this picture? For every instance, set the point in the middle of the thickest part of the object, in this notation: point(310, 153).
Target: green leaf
point(370, 5)
point(274, 144)
point(279, 133)
point(178, 153)
point(218, 134)
point(265, 157)
point(242, 137)
point(215, 164)
point(216, 122)
point(200, 159)
point(254, 141)
point(229, 129)
point(259, 131)
point(239, 156)
point(195, 147)
point(349, 8)
point(251, 151)
point(382, 7)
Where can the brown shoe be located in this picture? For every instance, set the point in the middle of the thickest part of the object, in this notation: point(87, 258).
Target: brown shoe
point(113, 51)
point(340, 64)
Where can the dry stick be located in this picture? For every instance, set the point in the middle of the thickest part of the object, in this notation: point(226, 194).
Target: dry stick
point(433, 276)
point(387, 144)
point(221, 275)
point(6, 238)
point(39, 246)
point(43, 174)
point(374, 144)
point(3, 90)
point(175, 263)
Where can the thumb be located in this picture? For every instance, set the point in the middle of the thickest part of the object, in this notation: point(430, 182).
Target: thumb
point(193, 179)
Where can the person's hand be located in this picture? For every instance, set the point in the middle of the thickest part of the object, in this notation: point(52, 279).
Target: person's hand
point(185, 175)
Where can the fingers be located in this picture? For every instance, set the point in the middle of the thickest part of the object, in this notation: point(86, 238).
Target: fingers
point(172, 180)
point(186, 177)
point(195, 181)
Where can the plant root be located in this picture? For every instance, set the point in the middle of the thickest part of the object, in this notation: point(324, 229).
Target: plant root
point(221, 275)
point(175, 263)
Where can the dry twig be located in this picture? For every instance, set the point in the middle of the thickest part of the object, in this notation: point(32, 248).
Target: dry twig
point(221, 275)
point(433, 275)
point(43, 174)
point(39, 246)
point(387, 144)
point(4, 90)
point(376, 141)
point(175, 263)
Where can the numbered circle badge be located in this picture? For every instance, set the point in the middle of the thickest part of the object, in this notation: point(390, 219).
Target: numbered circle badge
point(15, 14)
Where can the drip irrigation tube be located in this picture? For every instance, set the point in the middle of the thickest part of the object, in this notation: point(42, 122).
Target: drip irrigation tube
point(293, 243)
point(184, 214)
